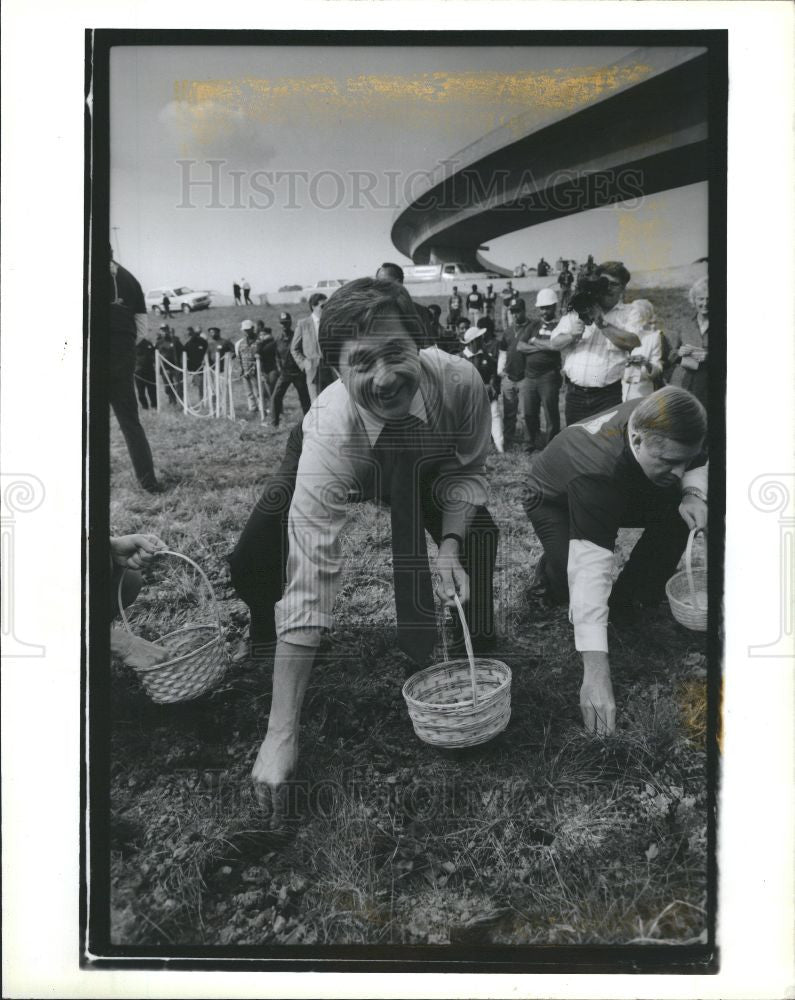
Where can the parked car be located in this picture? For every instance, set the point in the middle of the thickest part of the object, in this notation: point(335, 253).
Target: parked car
point(327, 287)
point(291, 288)
point(180, 298)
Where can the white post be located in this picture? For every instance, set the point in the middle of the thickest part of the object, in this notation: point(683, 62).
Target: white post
point(158, 386)
point(218, 386)
point(208, 396)
point(185, 383)
point(229, 388)
point(260, 404)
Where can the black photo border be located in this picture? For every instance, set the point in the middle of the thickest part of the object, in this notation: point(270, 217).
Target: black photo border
point(95, 948)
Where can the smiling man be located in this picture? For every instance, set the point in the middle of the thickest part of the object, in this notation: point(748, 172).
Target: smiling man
point(641, 465)
point(406, 426)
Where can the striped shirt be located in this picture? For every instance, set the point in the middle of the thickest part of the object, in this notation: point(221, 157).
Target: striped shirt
point(337, 462)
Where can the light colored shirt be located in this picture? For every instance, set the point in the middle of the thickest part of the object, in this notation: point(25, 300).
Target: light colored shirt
point(594, 361)
point(337, 462)
point(638, 381)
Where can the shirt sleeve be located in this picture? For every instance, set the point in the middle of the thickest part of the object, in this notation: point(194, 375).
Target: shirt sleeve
point(463, 476)
point(595, 507)
point(317, 514)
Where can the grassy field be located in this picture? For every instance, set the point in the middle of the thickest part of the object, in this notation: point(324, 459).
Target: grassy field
point(542, 836)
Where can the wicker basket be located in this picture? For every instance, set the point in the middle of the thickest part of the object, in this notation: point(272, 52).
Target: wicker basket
point(460, 703)
point(687, 592)
point(189, 674)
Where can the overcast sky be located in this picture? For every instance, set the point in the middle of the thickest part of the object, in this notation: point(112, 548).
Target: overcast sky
point(314, 149)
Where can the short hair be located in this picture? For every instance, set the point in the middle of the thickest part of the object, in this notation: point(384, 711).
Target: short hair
point(698, 288)
point(316, 297)
point(672, 413)
point(353, 310)
point(615, 269)
point(393, 272)
point(486, 324)
point(436, 310)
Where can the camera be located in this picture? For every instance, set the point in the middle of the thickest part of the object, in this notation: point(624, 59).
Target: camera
point(586, 296)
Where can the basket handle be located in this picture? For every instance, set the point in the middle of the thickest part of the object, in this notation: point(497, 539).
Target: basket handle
point(470, 653)
point(689, 567)
point(187, 559)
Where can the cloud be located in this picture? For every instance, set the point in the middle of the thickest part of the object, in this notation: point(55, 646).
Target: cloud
point(209, 128)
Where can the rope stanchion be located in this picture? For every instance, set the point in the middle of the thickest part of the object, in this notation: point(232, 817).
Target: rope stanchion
point(158, 384)
point(260, 403)
point(229, 395)
point(217, 386)
point(185, 383)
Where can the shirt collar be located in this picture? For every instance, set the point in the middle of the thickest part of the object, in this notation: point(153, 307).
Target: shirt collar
point(374, 425)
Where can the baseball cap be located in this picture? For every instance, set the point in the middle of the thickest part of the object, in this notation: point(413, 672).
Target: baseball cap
point(284, 317)
point(246, 325)
point(213, 329)
point(546, 297)
point(472, 334)
point(518, 306)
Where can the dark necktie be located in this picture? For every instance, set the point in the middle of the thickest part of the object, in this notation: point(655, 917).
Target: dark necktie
point(399, 455)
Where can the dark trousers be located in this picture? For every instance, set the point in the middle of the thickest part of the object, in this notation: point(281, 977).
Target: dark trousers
point(582, 403)
point(259, 560)
point(651, 563)
point(283, 383)
point(147, 390)
point(121, 393)
point(247, 296)
point(538, 391)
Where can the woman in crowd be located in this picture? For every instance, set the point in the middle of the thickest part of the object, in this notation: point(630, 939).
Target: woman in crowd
point(688, 362)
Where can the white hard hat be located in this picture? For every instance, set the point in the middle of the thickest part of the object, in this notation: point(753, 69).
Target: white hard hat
point(246, 325)
point(472, 334)
point(546, 297)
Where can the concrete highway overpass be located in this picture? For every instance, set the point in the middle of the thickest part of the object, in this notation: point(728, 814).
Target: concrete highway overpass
point(639, 129)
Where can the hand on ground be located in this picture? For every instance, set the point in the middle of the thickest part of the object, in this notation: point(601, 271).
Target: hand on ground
point(597, 703)
point(136, 652)
point(274, 766)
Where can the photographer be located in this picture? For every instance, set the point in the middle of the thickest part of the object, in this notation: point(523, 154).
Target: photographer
point(595, 343)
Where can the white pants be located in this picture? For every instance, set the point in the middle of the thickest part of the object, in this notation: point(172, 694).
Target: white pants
point(496, 425)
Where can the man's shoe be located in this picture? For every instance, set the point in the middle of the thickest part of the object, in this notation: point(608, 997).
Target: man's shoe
point(152, 486)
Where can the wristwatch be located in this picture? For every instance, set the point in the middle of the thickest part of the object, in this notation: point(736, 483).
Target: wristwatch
point(694, 491)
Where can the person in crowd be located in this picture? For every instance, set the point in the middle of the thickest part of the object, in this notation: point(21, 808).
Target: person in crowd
point(513, 374)
point(595, 344)
point(565, 280)
point(196, 350)
point(306, 348)
point(247, 356)
point(268, 358)
point(246, 287)
point(461, 328)
point(474, 306)
point(218, 346)
point(394, 272)
point(129, 554)
point(507, 296)
point(237, 293)
point(486, 365)
point(454, 307)
point(290, 374)
point(689, 348)
point(520, 271)
point(405, 425)
point(166, 305)
point(490, 301)
point(145, 384)
point(589, 268)
point(638, 465)
point(542, 269)
point(644, 364)
point(127, 323)
point(492, 344)
point(543, 379)
point(169, 347)
point(443, 337)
